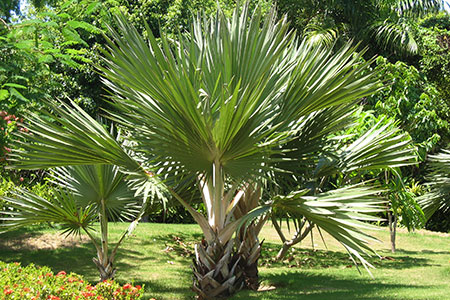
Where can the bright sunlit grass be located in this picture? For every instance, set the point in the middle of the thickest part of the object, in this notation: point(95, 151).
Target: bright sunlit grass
point(159, 256)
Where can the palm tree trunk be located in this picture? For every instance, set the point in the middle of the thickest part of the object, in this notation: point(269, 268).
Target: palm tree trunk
point(216, 270)
point(103, 262)
point(249, 250)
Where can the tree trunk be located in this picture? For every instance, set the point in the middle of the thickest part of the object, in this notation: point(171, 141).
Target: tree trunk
point(249, 250)
point(217, 272)
point(392, 229)
point(297, 238)
point(106, 270)
point(247, 241)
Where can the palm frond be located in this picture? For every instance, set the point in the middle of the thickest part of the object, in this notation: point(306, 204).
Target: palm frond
point(90, 184)
point(341, 213)
point(68, 136)
point(395, 35)
point(29, 209)
point(382, 147)
point(439, 181)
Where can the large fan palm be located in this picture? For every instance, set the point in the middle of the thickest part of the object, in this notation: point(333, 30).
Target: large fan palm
point(219, 106)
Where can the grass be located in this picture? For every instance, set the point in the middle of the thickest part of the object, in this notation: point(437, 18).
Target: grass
point(159, 256)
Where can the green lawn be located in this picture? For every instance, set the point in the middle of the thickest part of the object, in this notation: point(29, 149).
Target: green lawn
point(159, 256)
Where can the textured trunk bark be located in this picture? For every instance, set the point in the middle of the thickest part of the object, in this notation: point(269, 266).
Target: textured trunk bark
point(106, 270)
point(217, 272)
point(249, 251)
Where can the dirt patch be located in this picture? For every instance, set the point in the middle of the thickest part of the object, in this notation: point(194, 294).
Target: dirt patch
point(47, 241)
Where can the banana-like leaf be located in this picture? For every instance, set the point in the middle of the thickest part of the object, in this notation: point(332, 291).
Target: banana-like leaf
point(340, 213)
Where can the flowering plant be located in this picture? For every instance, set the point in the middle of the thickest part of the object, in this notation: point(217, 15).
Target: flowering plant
point(40, 283)
point(8, 124)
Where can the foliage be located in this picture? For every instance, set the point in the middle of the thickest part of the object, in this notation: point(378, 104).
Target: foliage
point(43, 57)
point(227, 117)
point(6, 6)
point(411, 100)
point(32, 282)
point(440, 21)
point(384, 26)
point(403, 203)
point(439, 221)
point(435, 60)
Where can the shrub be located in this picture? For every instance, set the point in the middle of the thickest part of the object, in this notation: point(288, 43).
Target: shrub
point(33, 283)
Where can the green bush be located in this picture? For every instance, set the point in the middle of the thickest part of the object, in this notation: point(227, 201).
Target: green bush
point(33, 283)
point(413, 101)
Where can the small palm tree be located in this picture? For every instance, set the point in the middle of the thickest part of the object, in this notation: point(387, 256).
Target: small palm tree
point(221, 107)
point(84, 195)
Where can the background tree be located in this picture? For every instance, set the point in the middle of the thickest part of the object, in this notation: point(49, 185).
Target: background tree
point(387, 27)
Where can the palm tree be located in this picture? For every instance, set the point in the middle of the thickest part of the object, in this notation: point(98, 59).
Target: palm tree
point(219, 107)
point(84, 195)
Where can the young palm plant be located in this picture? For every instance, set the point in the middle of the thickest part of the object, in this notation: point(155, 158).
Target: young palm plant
point(84, 195)
point(219, 106)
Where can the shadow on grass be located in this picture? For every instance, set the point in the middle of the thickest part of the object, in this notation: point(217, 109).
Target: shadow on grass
point(399, 251)
point(307, 285)
point(309, 258)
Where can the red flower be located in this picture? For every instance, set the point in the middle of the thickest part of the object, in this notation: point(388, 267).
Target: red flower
point(8, 291)
point(49, 274)
point(61, 273)
point(127, 286)
point(138, 287)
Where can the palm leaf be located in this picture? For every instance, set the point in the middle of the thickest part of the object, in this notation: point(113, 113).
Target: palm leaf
point(439, 182)
point(340, 213)
point(29, 209)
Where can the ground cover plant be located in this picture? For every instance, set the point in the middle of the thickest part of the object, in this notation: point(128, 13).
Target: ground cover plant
point(420, 270)
point(32, 283)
